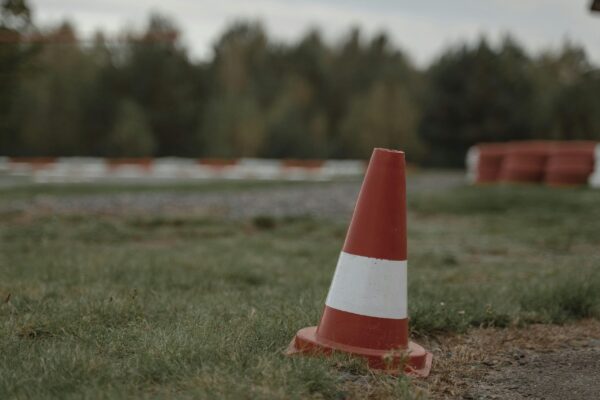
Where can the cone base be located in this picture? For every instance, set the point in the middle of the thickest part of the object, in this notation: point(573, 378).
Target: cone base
point(416, 360)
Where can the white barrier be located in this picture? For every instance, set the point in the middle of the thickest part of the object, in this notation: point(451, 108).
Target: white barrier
point(89, 169)
point(471, 161)
point(259, 168)
point(4, 167)
point(594, 179)
point(71, 169)
point(174, 168)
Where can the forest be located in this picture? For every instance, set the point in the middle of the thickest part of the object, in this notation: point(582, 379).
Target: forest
point(140, 94)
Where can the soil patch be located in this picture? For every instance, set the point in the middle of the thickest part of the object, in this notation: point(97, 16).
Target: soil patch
point(537, 362)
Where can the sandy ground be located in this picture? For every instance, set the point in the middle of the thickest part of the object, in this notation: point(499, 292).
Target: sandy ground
point(537, 362)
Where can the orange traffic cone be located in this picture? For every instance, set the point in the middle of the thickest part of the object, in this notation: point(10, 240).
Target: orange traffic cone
point(366, 309)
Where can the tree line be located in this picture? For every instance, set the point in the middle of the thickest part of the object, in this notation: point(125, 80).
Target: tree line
point(139, 93)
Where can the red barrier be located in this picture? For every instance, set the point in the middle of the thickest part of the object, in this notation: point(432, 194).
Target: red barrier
point(218, 163)
point(526, 161)
point(34, 162)
point(571, 163)
point(144, 163)
point(490, 159)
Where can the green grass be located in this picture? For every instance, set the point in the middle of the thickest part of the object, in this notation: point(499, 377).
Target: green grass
point(504, 255)
point(163, 306)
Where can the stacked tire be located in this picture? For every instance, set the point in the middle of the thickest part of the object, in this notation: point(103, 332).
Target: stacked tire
point(490, 157)
point(570, 164)
point(554, 163)
point(525, 161)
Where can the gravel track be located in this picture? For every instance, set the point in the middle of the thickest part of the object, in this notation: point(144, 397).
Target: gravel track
point(332, 199)
point(566, 374)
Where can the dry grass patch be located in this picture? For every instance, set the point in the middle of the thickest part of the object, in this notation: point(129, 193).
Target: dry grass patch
point(462, 362)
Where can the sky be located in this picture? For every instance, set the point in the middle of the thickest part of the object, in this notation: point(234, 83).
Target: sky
point(421, 28)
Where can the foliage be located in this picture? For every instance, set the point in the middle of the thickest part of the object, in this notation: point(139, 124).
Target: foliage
point(259, 98)
point(485, 94)
point(131, 135)
point(15, 20)
point(477, 94)
point(577, 108)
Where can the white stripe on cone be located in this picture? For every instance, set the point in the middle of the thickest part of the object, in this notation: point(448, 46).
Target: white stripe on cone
point(369, 286)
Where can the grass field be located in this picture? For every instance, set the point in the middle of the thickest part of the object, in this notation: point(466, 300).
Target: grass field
point(197, 307)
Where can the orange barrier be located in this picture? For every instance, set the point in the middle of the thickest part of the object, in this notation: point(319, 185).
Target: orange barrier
point(34, 162)
point(366, 309)
point(489, 163)
point(526, 161)
point(571, 163)
point(142, 162)
point(555, 163)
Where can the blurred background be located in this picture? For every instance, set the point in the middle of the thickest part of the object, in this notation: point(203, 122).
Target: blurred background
point(294, 79)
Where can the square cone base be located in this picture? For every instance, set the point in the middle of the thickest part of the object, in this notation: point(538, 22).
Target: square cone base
point(414, 361)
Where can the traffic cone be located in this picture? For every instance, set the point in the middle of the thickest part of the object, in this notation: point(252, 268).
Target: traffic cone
point(366, 309)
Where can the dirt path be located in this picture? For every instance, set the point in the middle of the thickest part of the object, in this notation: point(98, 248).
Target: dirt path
point(538, 362)
point(563, 374)
point(328, 199)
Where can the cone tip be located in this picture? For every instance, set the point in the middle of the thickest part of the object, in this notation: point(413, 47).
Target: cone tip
point(381, 154)
point(382, 150)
